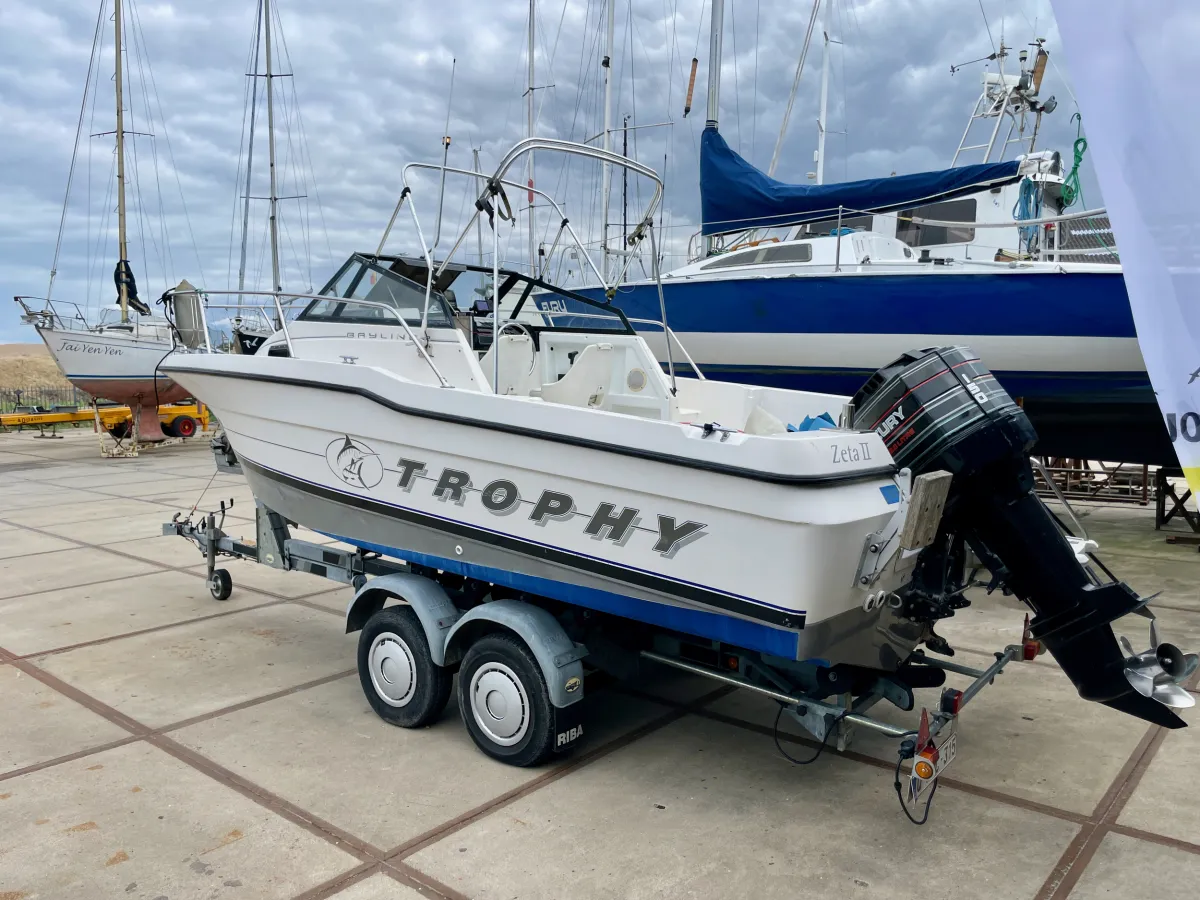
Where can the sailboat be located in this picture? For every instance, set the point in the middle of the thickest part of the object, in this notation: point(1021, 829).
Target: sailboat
point(813, 287)
point(251, 322)
point(117, 358)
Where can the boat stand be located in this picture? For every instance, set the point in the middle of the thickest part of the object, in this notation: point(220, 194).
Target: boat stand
point(129, 447)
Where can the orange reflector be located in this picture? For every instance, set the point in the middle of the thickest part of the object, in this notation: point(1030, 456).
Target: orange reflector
point(923, 769)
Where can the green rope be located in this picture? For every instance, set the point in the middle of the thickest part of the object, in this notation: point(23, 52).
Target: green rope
point(1071, 189)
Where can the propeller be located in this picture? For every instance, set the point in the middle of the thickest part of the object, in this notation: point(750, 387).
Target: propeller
point(1158, 672)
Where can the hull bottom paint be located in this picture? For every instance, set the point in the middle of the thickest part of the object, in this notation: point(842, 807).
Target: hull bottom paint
point(851, 636)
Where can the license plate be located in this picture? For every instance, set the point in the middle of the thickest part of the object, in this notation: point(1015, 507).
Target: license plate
point(947, 750)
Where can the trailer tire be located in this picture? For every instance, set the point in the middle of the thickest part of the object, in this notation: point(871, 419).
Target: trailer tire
point(120, 430)
point(221, 584)
point(504, 701)
point(183, 426)
point(403, 684)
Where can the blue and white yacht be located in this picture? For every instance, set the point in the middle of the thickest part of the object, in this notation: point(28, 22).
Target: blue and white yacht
point(813, 287)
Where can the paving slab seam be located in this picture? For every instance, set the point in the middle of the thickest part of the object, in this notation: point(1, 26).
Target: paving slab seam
point(572, 764)
point(419, 881)
point(260, 795)
point(174, 726)
point(338, 883)
point(162, 567)
point(102, 709)
point(69, 757)
point(1154, 838)
point(946, 781)
point(255, 701)
point(1082, 849)
point(150, 630)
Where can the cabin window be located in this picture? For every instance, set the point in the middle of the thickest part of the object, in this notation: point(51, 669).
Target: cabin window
point(764, 253)
point(829, 226)
point(788, 253)
point(741, 258)
point(917, 235)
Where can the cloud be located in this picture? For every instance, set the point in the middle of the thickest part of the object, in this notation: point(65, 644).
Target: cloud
point(369, 79)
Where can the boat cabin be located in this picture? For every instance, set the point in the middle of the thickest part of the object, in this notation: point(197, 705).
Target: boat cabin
point(373, 313)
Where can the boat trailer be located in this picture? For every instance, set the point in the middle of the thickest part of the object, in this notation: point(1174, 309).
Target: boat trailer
point(831, 719)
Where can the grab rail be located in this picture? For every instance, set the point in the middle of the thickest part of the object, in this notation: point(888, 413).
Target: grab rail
point(287, 337)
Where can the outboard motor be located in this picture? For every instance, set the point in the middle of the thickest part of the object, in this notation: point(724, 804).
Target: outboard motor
point(942, 409)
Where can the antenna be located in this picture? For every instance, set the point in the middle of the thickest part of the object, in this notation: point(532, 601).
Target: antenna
point(437, 234)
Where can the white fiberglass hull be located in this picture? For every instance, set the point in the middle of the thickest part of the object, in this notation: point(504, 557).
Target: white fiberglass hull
point(532, 496)
point(114, 366)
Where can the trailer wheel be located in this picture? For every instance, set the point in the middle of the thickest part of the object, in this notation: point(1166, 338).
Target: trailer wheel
point(402, 682)
point(120, 431)
point(504, 702)
point(183, 426)
point(221, 584)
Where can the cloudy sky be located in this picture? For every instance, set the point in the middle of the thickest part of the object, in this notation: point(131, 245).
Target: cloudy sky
point(370, 87)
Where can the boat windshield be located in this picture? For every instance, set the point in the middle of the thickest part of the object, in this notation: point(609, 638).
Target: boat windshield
point(363, 279)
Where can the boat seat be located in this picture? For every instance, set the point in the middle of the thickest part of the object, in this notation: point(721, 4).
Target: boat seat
point(517, 360)
point(761, 422)
point(586, 382)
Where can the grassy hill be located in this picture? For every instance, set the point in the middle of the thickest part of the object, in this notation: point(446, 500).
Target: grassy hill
point(29, 366)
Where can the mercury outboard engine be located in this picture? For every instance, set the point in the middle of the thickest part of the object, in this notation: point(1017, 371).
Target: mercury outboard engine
point(942, 409)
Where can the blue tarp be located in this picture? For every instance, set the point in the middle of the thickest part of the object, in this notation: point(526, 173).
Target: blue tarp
point(735, 196)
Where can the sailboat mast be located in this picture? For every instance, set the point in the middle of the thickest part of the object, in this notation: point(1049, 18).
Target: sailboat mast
point(122, 288)
point(275, 284)
point(822, 121)
point(533, 267)
point(606, 168)
point(716, 28)
point(250, 156)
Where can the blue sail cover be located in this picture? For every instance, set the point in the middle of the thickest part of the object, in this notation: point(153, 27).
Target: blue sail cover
point(735, 196)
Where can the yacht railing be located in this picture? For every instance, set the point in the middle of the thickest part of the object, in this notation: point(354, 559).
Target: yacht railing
point(1055, 252)
point(287, 337)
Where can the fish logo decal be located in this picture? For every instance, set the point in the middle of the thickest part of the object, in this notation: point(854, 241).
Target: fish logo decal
point(354, 462)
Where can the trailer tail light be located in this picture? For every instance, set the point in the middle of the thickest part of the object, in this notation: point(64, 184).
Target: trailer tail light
point(952, 700)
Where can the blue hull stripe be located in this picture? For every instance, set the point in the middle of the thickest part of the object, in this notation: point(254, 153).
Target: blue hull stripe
point(1091, 386)
point(1052, 304)
point(714, 626)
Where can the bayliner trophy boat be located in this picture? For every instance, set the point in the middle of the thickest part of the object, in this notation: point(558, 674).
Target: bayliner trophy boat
point(564, 501)
point(118, 357)
point(816, 286)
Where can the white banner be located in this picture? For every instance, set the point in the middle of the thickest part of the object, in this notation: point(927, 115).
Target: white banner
point(1135, 67)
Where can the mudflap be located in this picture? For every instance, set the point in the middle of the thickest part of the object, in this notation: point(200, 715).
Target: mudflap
point(568, 727)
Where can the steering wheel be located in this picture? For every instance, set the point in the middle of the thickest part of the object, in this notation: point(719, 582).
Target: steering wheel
point(513, 323)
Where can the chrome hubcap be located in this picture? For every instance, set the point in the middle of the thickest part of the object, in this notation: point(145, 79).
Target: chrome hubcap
point(499, 703)
point(393, 671)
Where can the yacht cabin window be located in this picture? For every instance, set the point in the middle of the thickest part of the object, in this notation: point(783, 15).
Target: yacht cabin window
point(764, 253)
point(360, 279)
point(917, 235)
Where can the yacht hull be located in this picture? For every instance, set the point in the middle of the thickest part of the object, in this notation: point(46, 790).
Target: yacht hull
point(1061, 341)
point(118, 368)
point(761, 565)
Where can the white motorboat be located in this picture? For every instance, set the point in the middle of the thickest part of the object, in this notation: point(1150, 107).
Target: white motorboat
point(567, 494)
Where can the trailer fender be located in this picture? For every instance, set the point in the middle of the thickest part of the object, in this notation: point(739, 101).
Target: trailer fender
point(558, 656)
point(427, 599)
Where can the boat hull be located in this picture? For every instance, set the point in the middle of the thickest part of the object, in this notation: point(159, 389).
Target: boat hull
point(117, 368)
point(1061, 342)
point(770, 567)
